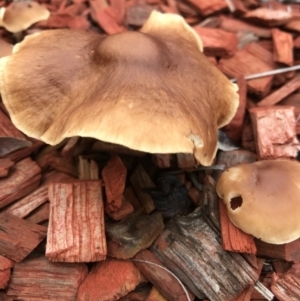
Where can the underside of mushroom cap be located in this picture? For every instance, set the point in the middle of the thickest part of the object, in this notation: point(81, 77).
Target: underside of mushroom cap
point(145, 90)
point(263, 199)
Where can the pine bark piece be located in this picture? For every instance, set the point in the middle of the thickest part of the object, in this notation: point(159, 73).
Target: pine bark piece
point(39, 215)
point(76, 224)
point(268, 16)
point(286, 287)
point(281, 141)
point(287, 89)
point(217, 42)
point(283, 47)
point(243, 63)
point(140, 180)
point(235, 128)
point(234, 239)
point(114, 177)
point(23, 179)
point(287, 252)
point(139, 294)
point(5, 263)
point(135, 233)
point(39, 196)
point(234, 25)
point(163, 281)
point(5, 165)
point(98, 284)
point(16, 244)
point(48, 280)
point(4, 278)
point(155, 295)
point(207, 270)
point(125, 210)
point(208, 7)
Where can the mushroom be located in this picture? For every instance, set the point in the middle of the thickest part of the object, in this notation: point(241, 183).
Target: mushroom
point(263, 199)
point(152, 91)
point(5, 48)
point(20, 15)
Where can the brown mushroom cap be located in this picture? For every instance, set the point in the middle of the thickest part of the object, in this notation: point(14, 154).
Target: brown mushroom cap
point(263, 199)
point(20, 15)
point(152, 91)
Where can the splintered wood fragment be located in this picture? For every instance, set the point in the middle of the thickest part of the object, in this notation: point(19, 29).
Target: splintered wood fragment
point(217, 42)
point(23, 179)
point(234, 25)
point(7, 129)
point(153, 269)
point(140, 180)
point(23, 153)
point(207, 270)
point(287, 252)
point(268, 16)
point(16, 244)
point(283, 47)
point(234, 239)
point(115, 278)
point(281, 266)
point(155, 295)
point(281, 93)
point(40, 214)
point(50, 156)
point(76, 223)
point(5, 165)
point(70, 148)
point(286, 287)
point(161, 160)
point(114, 177)
point(208, 7)
point(281, 142)
point(185, 161)
point(11, 144)
point(39, 196)
point(131, 197)
point(87, 170)
point(107, 20)
point(235, 128)
point(244, 63)
point(125, 210)
point(132, 234)
point(55, 281)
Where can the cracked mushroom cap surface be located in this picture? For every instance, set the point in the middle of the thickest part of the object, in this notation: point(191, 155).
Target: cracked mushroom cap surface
point(152, 90)
point(20, 15)
point(263, 199)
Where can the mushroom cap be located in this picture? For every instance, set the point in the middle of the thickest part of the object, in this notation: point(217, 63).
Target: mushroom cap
point(20, 15)
point(152, 91)
point(268, 195)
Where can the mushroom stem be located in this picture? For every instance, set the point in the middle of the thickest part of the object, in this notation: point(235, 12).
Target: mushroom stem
point(18, 36)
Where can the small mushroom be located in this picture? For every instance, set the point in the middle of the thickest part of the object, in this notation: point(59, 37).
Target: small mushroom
point(152, 91)
point(20, 15)
point(263, 199)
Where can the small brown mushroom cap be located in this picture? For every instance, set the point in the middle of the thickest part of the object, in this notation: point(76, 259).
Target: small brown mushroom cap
point(20, 15)
point(152, 91)
point(263, 199)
